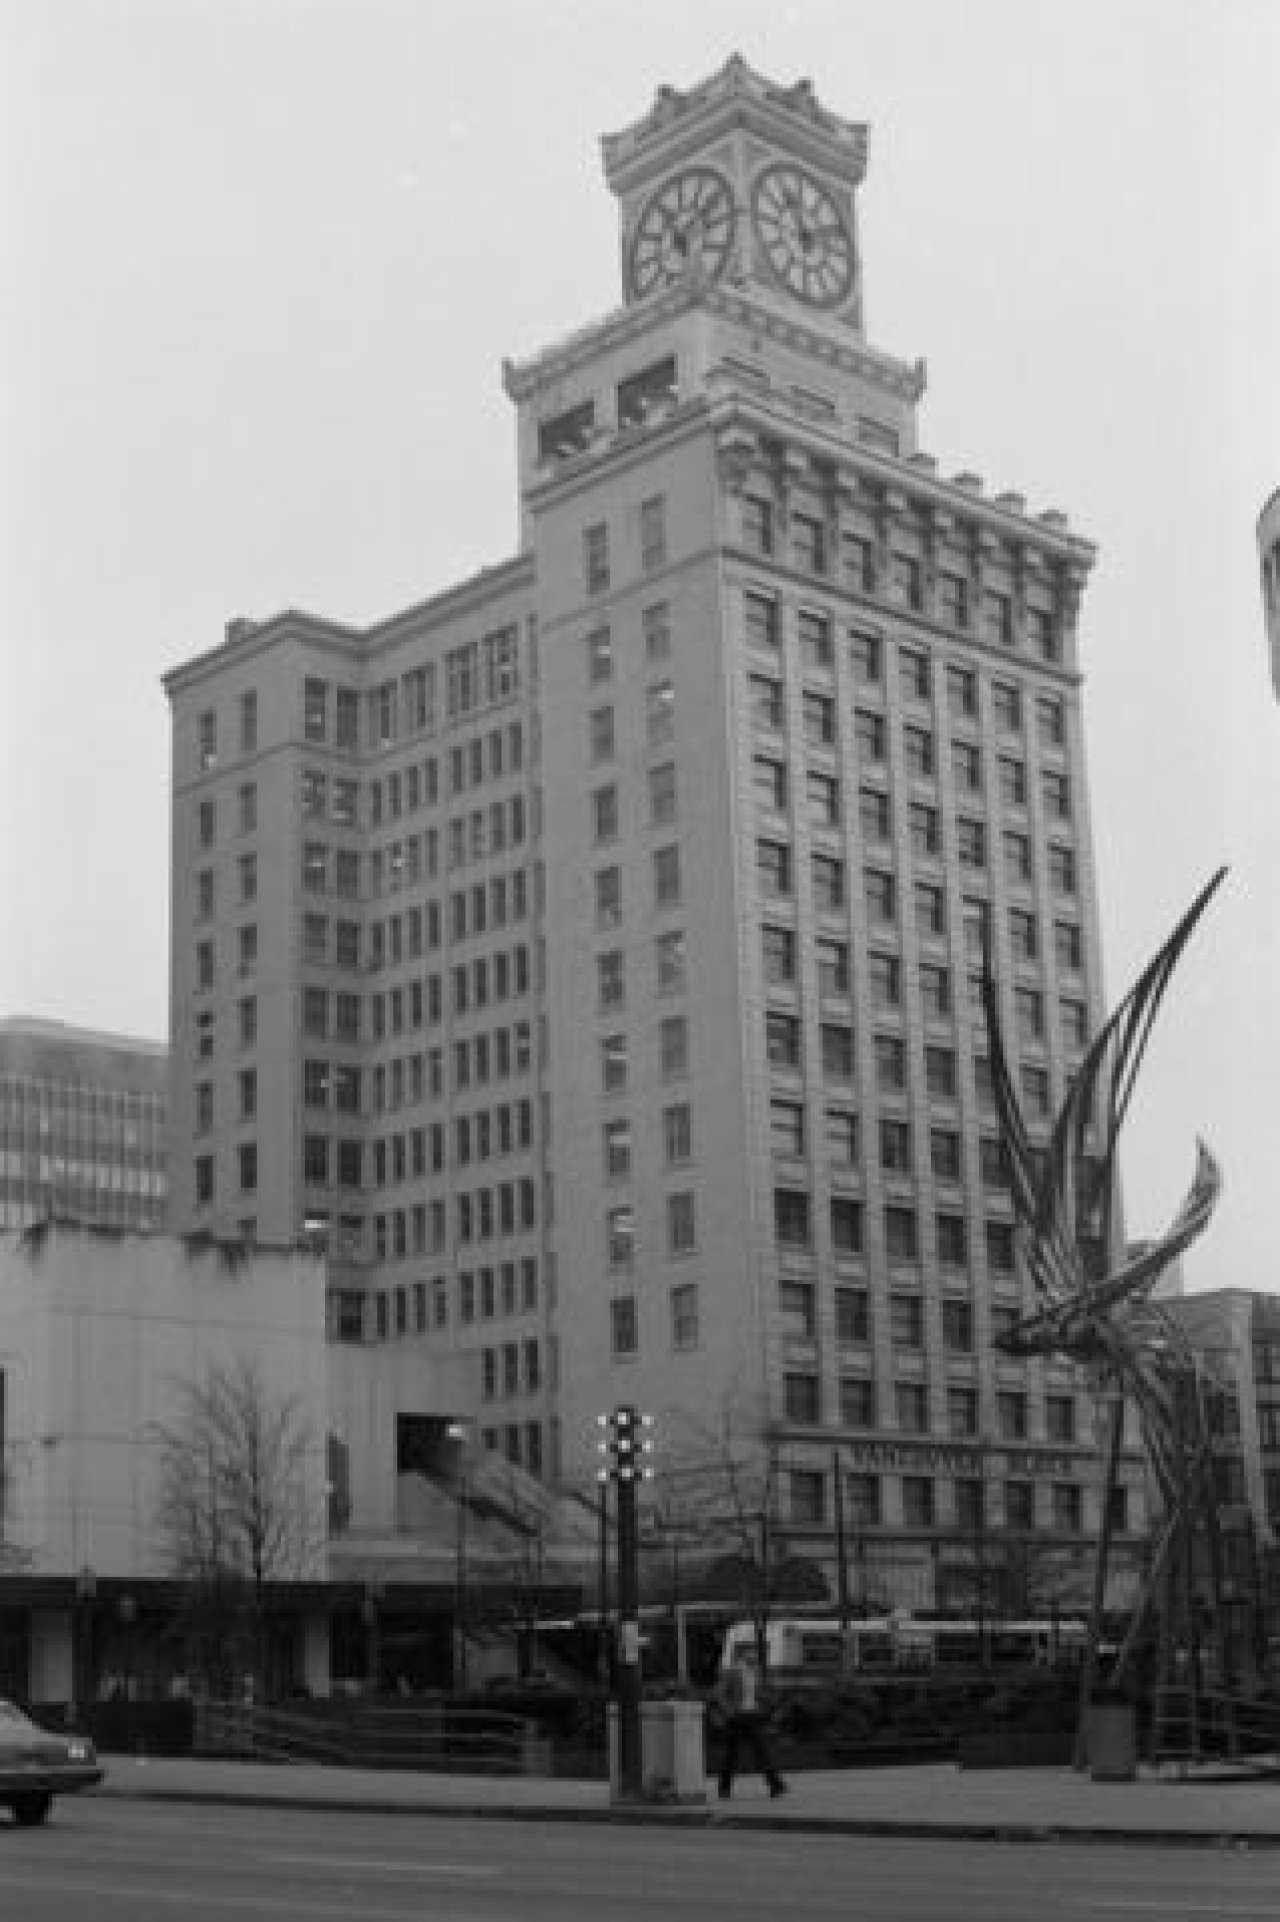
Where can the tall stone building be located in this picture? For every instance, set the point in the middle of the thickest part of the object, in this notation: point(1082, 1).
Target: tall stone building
point(587, 956)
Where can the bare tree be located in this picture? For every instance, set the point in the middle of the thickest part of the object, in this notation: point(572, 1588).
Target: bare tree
point(235, 1510)
point(721, 1475)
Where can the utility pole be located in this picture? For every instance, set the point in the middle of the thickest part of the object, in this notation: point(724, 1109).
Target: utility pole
point(627, 1444)
point(842, 1565)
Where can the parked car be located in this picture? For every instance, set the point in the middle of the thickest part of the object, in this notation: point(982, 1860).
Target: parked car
point(36, 1765)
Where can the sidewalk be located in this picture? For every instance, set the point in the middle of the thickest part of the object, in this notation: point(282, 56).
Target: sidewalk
point(990, 1804)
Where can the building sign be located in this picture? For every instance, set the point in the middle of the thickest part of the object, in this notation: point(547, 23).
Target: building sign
point(916, 1457)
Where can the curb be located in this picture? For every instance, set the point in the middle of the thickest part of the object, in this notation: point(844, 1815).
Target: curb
point(699, 1817)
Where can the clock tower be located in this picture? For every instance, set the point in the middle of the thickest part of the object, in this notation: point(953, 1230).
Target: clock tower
point(742, 181)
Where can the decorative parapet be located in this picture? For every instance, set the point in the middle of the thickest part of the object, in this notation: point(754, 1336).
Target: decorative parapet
point(734, 87)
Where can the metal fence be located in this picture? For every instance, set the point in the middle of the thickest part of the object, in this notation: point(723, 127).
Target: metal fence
point(428, 1736)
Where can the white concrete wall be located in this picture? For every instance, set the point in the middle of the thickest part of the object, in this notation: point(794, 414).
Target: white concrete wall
point(98, 1332)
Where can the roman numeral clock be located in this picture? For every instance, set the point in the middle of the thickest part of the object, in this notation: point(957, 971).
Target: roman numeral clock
point(742, 182)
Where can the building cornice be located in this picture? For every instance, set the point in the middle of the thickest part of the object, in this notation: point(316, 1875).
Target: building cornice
point(247, 638)
point(523, 380)
point(745, 423)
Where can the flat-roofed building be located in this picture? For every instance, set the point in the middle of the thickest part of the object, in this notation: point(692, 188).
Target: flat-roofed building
point(83, 1121)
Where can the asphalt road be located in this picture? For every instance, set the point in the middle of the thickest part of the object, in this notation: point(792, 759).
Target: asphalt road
point(112, 1861)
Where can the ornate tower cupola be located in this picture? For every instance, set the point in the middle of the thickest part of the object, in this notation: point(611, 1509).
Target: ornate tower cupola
point(741, 180)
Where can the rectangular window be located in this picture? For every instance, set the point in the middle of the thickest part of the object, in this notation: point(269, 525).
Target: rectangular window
point(837, 1052)
point(818, 718)
point(953, 599)
point(655, 622)
point(953, 1241)
point(604, 814)
point(763, 628)
point(880, 896)
point(666, 877)
point(595, 557)
point(662, 794)
point(670, 950)
point(857, 1402)
point(859, 562)
point(917, 750)
point(623, 1330)
point(895, 1146)
point(891, 1063)
point(207, 739)
point(905, 581)
point(1006, 705)
point(620, 1236)
point(846, 1225)
point(601, 735)
point(885, 976)
point(828, 884)
point(801, 1399)
point(613, 1064)
point(773, 868)
point(608, 887)
point(816, 648)
point(653, 533)
point(673, 1040)
point(684, 1315)
point(853, 1317)
point(931, 910)
point(867, 656)
point(786, 1128)
point(791, 1218)
point(842, 1138)
point(911, 1404)
point(874, 814)
point(677, 1134)
point(833, 968)
point(757, 524)
point(822, 794)
point(660, 713)
point(913, 674)
point(782, 1040)
point(809, 543)
point(796, 1310)
point(778, 950)
point(1011, 1414)
point(926, 838)
point(962, 1409)
point(901, 1235)
point(869, 734)
point(682, 1236)
point(971, 844)
point(611, 979)
point(1050, 721)
point(944, 1154)
point(966, 766)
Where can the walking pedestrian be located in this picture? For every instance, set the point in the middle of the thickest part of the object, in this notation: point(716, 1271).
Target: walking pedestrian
point(739, 1695)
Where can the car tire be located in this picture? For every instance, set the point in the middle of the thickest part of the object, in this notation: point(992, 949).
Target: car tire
point(29, 1811)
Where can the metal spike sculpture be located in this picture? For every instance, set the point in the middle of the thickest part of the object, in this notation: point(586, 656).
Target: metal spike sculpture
point(1094, 1306)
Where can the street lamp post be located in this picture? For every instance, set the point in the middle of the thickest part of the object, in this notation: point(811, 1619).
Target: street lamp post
point(82, 1641)
point(627, 1445)
point(373, 1593)
point(457, 1433)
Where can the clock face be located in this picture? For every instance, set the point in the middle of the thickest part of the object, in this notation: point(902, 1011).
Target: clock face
point(803, 235)
point(686, 226)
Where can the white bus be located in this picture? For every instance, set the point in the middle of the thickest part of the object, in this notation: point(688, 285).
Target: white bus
point(809, 1646)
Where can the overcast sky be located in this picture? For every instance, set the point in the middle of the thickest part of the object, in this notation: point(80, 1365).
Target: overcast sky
point(260, 263)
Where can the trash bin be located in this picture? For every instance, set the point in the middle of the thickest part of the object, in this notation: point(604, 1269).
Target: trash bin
point(673, 1763)
point(1111, 1739)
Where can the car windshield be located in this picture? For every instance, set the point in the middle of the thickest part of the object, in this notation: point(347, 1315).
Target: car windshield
point(8, 1713)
